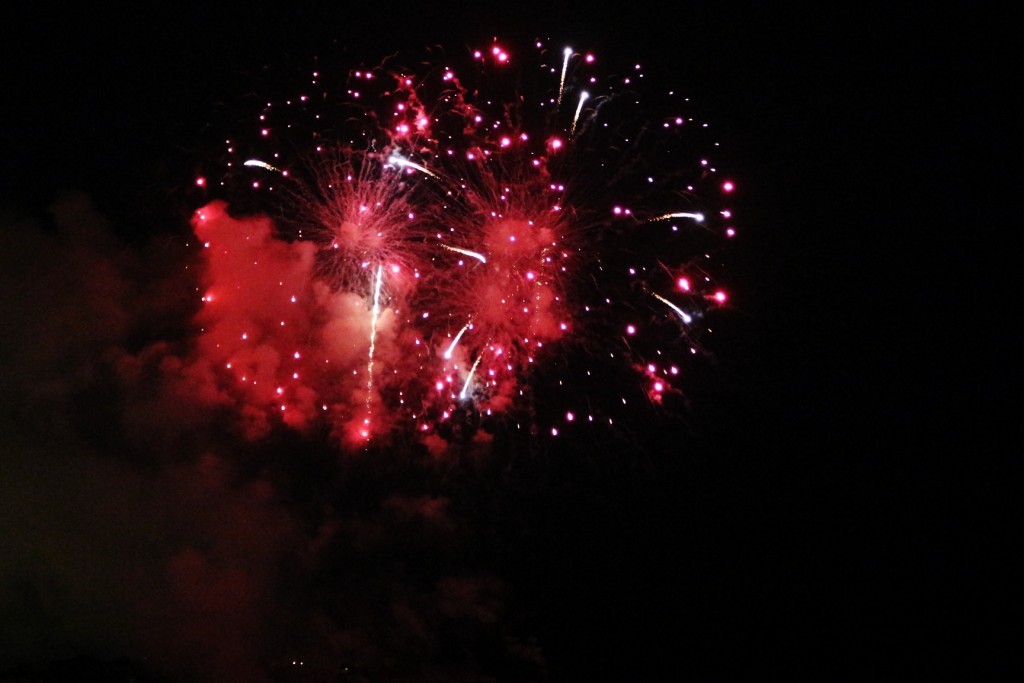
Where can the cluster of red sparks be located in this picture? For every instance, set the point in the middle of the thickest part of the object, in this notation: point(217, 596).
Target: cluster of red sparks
point(427, 237)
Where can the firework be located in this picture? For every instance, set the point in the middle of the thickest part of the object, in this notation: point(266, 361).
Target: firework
point(441, 234)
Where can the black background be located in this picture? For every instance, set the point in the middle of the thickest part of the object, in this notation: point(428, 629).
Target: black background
point(849, 510)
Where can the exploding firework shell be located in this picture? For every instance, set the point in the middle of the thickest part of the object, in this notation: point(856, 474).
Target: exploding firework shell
point(502, 216)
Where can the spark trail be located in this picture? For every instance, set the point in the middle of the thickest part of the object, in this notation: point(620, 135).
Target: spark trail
point(584, 96)
point(466, 252)
point(375, 317)
point(256, 163)
point(469, 378)
point(455, 342)
point(697, 217)
point(567, 53)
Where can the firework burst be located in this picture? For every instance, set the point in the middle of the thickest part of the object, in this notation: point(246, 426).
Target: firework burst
point(451, 226)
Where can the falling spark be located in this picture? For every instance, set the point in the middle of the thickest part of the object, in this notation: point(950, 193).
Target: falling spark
point(698, 217)
point(398, 160)
point(261, 164)
point(683, 315)
point(448, 353)
point(466, 252)
point(584, 96)
point(469, 378)
point(567, 53)
point(373, 335)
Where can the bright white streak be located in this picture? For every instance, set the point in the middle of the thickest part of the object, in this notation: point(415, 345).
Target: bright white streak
point(479, 257)
point(584, 96)
point(698, 217)
point(448, 353)
point(261, 164)
point(683, 315)
point(402, 162)
point(567, 52)
point(373, 334)
point(469, 377)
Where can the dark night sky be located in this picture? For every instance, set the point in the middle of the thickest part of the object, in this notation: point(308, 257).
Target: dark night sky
point(845, 508)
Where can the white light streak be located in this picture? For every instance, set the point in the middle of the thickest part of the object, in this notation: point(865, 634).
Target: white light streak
point(584, 96)
point(398, 160)
point(567, 53)
point(261, 164)
point(698, 217)
point(373, 334)
point(448, 353)
point(469, 377)
point(466, 252)
point(683, 315)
